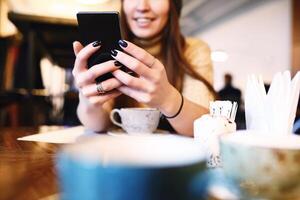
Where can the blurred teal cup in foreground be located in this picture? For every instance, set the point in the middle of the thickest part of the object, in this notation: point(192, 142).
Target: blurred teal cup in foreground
point(146, 167)
point(263, 165)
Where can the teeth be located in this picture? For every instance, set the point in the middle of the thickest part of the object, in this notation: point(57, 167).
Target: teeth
point(143, 20)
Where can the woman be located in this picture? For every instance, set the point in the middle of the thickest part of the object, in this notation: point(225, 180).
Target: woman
point(170, 70)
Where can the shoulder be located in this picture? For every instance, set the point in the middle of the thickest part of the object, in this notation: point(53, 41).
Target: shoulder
point(195, 42)
point(196, 45)
point(197, 52)
point(238, 91)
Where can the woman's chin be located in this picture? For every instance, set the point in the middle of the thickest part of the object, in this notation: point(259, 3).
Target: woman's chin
point(144, 34)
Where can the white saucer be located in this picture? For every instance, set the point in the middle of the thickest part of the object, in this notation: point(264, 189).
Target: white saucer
point(121, 132)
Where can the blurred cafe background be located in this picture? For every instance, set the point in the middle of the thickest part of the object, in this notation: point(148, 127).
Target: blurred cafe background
point(36, 57)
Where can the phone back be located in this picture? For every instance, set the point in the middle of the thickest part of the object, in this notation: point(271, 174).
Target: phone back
point(100, 26)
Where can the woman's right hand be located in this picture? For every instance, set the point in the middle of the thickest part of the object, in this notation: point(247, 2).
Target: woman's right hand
point(85, 78)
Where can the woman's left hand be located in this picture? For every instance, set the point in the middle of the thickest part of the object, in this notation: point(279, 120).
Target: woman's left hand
point(151, 86)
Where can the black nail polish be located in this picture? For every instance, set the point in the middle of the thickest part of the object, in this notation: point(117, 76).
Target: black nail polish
point(117, 63)
point(122, 43)
point(96, 44)
point(114, 53)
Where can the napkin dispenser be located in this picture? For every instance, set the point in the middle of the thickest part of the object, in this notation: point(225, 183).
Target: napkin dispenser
point(209, 127)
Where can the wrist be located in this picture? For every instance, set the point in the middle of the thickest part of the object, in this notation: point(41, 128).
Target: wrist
point(173, 104)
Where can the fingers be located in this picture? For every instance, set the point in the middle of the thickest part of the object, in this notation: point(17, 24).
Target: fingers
point(99, 100)
point(132, 63)
point(89, 76)
point(135, 94)
point(133, 82)
point(139, 53)
point(77, 46)
point(85, 78)
point(108, 85)
point(83, 56)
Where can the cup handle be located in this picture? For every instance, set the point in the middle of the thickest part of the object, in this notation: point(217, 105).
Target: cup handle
point(112, 117)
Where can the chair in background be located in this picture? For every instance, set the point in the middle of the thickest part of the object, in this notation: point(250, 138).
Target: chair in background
point(43, 37)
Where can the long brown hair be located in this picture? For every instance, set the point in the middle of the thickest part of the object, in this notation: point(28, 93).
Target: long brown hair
point(173, 44)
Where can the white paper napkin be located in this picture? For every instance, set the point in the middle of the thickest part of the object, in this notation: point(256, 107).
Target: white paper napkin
point(64, 136)
point(275, 111)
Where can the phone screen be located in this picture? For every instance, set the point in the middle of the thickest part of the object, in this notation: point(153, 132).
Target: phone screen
point(100, 26)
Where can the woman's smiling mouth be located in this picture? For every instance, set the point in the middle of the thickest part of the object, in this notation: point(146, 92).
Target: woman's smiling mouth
point(143, 21)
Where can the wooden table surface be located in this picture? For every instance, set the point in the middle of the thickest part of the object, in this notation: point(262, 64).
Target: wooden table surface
point(27, 169)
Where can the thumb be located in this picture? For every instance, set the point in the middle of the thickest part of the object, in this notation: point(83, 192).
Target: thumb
point(77, 46)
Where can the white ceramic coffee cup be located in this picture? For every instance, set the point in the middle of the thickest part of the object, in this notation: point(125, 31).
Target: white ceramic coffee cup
point(136, 120)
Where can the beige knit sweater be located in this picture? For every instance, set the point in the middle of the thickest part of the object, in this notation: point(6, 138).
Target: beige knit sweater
point(198, 54)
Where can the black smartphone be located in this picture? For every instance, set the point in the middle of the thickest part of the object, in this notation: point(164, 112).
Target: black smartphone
point(104, 27)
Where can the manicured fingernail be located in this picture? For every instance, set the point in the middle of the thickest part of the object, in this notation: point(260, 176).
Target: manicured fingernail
point(117, 64)
point(96, 44)
point(114, 53)
point(122, 43)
